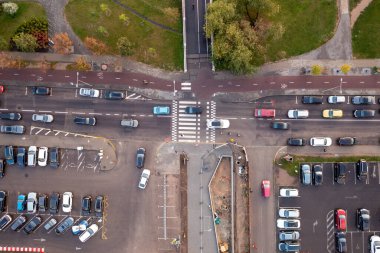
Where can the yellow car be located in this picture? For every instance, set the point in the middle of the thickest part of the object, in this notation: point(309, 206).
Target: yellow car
point(332, 113)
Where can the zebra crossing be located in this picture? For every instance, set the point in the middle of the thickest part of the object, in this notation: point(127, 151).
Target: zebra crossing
point(185, 86)
point(211, 114)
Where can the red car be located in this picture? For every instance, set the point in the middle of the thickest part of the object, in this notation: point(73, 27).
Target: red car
point(340, 219)
point(265, 113)
point(265, 188)
point(1, 89)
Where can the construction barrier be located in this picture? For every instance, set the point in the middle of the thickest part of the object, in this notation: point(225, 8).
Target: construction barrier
point(22, 249)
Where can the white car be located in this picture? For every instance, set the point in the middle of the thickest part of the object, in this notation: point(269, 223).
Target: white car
point(42, 156)
point(298, 114)
point(320, 141)
point(218, 123)
point(87, 92)
point(288, 224)
point(336, 99)
point(88, 233)
point(31, 203)
point(144, 178)
point(374, 244)
point(288, 192)
point(289, 213)
point(46, 118)
point(67, 202)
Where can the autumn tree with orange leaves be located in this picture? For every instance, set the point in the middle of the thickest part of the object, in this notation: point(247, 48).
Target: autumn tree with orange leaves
point(62, 43)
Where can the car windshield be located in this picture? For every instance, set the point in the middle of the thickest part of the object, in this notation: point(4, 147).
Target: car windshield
point(216, 123)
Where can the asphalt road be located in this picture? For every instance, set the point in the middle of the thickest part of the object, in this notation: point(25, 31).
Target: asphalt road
point(196, 41)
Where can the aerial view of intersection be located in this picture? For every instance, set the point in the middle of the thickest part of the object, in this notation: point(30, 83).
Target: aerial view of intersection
point(225, 126)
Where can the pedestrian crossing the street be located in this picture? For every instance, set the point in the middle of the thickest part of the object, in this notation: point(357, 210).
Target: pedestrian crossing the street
point(211, 114)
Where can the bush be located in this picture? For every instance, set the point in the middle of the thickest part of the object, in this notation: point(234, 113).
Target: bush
point(25, 42)
point(3, 44)
point(125, 46)
point(37, 27)
point(10, 8)
point(96, 46)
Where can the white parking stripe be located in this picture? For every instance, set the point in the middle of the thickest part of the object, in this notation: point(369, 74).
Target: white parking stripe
point(187, 115)
point(188, 102)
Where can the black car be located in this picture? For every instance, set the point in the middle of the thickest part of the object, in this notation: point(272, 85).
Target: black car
point(113, 95)
point(41, 90)
point(340, 242)
point(42, 203)
point(64, 225)
point(361, 170)
point(2, 168)
point(21, 156)
point(140, 158)
point(364, 113)
point(10, 116)
point(280, 125)
point(296, 142)
point(193, 110)
point(312, 99)
point(362, 219)
point(317, 174)
point(346, 141)
point(54, 157)
point(32, 224)
point(86, 205)
point(4, 221)
point(18, 223)
point(339, 173)
point(3, 200)
point(98, 206)
point(85, 121)
point(54, 203)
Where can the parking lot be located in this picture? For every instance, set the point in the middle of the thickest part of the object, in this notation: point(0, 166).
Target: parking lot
point(317, 205)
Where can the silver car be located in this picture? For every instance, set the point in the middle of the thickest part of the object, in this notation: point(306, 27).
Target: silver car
point(46, 118)
point(306, 174)
point(87, 92)
point(289, 235)
point(31, 204)
point(132, 123)
point(16, 129)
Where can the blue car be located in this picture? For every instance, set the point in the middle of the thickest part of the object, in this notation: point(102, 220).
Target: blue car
point(8, 152)
point(21, 202)
point(82, 226)
point(21, 157)
point(161, 110)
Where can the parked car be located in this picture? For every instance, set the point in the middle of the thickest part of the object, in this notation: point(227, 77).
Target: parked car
point(305, 174)
point(45, 118)
point(81, 227)
point(4, 221)
point(42, 203)
point(64, 225)
point(86, 205)
point(320, 141)
point(88, 233)
point(32, 224)
point(42, 156)
point(140, 158)
point(346, 141)
point(90, 121)
point(340, 219)
point(280, 125)
point(21, 202)
point(18, 223)
point(289, 213)
point(67, 202)
point(296, 142)
point(363, 100)
point(362, 170)
point(339, 173)
point(317, 174)
point(88, 92)
point(289, 247)
point(340, 242)
point(332, 113)
point(41, 90)
point(289, 235)
point(10, 115)
point(31, 203)
point(9, 156)
point(98, 207)
point(21, 156)
point(265, 188)
point(161, 110)
point(32, 156)
point(362, 219)
point(298, 114)
point(218, 123)
point(54, 203)
point(336, 99)
point(312, 99)
point(51, 223)
point(113, 95)
point(374, 243)
point(2, 168)
point(265, 113)
point(54, 157)
point(130, 123)
point(3, 200)
point(144, 178)
point(288, 224)
point(15, 129)
point(288, 192)
point(193, 110)
point(364, 113)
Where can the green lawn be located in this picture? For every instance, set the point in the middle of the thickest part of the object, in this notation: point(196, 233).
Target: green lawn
point(353, 4)
point(308, 24)
point(366, 33)
point(26, 11)
point(85, 16)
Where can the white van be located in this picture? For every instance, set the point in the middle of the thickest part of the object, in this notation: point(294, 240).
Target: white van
point(32, 156)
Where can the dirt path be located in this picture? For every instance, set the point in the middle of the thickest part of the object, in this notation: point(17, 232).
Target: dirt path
point(355, 13)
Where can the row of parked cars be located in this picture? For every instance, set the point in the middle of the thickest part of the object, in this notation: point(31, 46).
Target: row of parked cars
point(330, 113)
point(31, 156)
point(341, 141)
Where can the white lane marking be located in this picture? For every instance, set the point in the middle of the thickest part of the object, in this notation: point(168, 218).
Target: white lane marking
point(3, 109)
point(186, 128)
point(26, 91)
point(67, 76)
point(130, 95)
point(187, 123)
point(185, 88)
point(188, 119)
point(116, 114)
point(193, 133)
point(28, 110)
point(44, 111)
point(82, 113)
point(117, 78)
point(326, 82)
point(108, 114)
point(61, 112)
point(188, 102)
point(95, 113)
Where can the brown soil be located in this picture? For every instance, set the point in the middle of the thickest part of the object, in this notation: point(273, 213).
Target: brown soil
point(183, 204)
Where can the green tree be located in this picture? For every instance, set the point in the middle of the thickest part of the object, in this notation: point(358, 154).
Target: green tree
point(316, 69)
point(25, 42)
point(125, 46)
point(104, 8)
point(345, 68)
point(257, 9)
point(3, 44)
point(124, 18)
point(10, 8)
